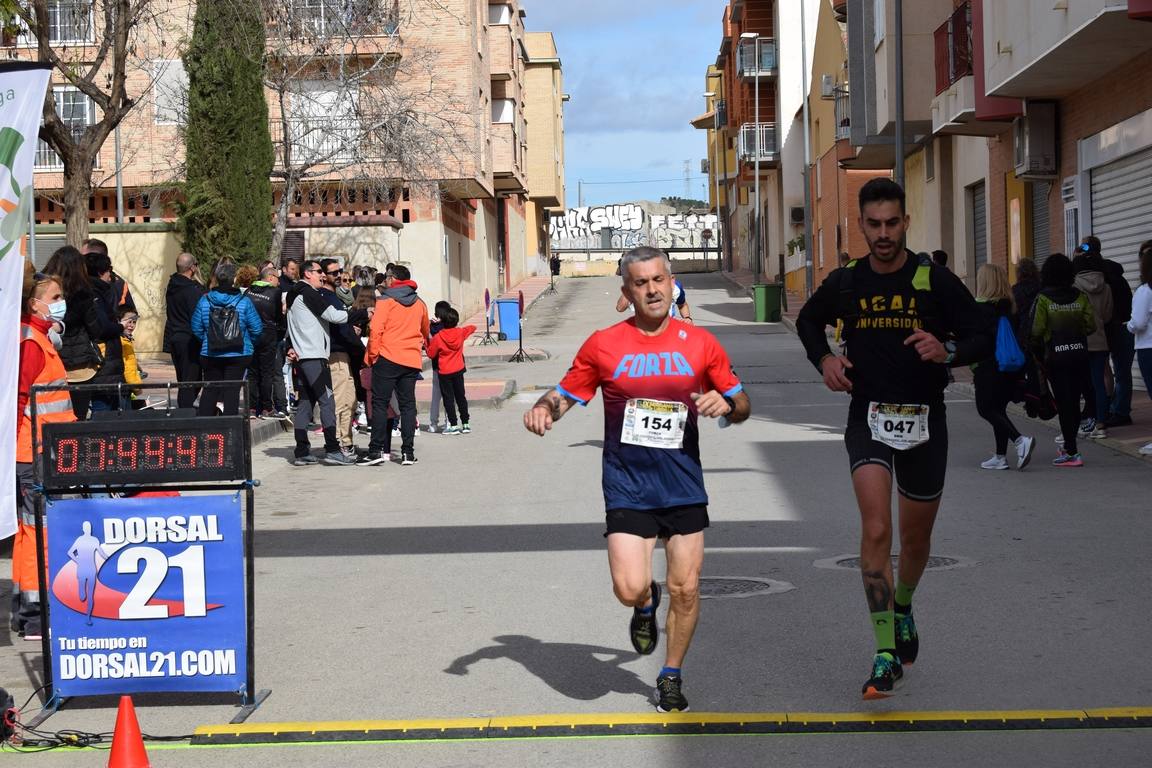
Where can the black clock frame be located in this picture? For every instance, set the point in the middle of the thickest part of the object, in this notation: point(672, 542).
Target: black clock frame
point(175, 466)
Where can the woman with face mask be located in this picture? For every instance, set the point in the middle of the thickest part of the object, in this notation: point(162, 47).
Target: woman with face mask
point(43, 305)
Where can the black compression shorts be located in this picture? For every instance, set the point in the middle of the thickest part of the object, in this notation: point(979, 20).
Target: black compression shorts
point(919, 472)
point(657, 523)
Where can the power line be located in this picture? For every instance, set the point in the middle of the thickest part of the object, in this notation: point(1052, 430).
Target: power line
point(645, 181)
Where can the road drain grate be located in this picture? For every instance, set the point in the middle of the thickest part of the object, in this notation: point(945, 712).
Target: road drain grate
point(935, 563)
point(718, 587)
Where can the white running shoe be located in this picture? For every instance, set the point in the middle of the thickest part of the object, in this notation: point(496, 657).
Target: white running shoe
point(1145, 450)
point(996, 462)
point(1024, 447)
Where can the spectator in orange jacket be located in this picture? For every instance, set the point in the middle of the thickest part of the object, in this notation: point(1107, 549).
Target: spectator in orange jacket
point(396, 335)
point(447, 350)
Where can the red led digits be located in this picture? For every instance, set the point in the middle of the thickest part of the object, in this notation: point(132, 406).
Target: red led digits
point(68, 456)
point(95, 454)
point(153, 452)
point(186, 451)
point(214, 450)
point(127, 449)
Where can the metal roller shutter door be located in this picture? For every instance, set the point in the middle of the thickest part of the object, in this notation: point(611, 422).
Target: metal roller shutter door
point(979, 226)
point(1122, 209)
point(1122, 215)
point(1041, 221)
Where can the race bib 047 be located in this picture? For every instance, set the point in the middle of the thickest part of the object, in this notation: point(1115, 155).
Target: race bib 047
point(898, 426)
point(654, 423)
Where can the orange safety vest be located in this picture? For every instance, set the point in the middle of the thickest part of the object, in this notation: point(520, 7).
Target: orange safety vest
point(52, 406)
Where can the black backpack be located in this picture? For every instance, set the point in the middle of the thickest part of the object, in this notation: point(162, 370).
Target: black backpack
point(225, 336)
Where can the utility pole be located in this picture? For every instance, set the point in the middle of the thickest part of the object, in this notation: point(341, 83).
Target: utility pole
point(898, 32)
point(809, 267)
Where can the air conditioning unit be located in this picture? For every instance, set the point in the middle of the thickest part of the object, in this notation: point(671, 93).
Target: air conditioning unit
point(1034, 141)
point(796, 214)
point(827, 87)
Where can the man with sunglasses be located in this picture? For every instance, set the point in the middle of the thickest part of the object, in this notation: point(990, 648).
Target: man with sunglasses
point(347, 353)
point(309, 318)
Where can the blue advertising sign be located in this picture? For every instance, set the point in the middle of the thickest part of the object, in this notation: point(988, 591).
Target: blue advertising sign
point(147, 594)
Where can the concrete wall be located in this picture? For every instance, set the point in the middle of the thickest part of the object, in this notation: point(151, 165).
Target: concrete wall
point(354, 246)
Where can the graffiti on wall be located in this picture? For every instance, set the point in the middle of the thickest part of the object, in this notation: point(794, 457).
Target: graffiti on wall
point(620, 227)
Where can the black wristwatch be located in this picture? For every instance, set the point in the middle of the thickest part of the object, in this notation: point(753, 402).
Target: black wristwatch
point(950, 348)
point(731, 403)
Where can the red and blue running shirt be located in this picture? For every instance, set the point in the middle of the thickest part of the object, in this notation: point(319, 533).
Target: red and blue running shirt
point(627, 364)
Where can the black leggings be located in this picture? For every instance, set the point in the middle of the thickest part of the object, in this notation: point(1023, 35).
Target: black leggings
point(994, 391)
point(1068, 384)
point(223, 369)
point(452, 390)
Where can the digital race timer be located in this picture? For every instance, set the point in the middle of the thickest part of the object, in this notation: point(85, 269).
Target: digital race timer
point(141, 451)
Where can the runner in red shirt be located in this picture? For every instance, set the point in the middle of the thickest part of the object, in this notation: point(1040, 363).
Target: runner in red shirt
point(658, 374)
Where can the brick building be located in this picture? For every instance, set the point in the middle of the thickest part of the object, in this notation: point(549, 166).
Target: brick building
point(460, 221)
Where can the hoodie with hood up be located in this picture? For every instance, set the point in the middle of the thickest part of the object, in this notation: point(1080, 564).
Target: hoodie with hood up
point(1090, 279)
point(447, 347)
point(399, 327)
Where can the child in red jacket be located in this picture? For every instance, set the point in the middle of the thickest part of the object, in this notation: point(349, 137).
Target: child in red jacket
point(447, 351)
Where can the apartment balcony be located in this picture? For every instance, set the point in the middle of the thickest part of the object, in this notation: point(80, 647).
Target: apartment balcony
point(324, 140)
point(507, 160)
point(843, 111)
point(501, 52)
point(749, 65)
point(953, 48)
point(336, 29)
point(758, 141)
point(1054, 50)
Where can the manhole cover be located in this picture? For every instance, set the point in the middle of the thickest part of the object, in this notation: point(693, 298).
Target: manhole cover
point(935, 562)
point(724, 587)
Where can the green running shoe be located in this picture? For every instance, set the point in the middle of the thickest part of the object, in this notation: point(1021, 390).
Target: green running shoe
point(907, 640)
point(886, 676)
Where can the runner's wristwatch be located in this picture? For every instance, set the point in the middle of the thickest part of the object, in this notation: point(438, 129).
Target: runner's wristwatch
point(731, 403)
point(950, 348)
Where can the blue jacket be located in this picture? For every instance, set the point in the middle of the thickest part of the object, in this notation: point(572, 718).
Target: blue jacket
point(250, 324)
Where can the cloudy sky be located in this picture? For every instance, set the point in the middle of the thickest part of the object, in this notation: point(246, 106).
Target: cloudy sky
point(635, 70)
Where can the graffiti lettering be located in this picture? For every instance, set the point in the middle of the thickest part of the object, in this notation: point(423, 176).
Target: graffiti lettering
point(627, 226)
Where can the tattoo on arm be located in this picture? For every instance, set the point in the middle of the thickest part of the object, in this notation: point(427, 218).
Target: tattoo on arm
point(553, 401)
point(878, 591)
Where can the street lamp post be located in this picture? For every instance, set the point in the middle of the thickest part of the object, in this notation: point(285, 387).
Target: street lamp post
point(755, 38)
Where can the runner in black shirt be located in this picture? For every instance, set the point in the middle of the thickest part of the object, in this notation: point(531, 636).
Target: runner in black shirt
point(905, 321)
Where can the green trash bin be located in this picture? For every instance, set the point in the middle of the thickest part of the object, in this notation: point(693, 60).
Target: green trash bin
point(766, 299)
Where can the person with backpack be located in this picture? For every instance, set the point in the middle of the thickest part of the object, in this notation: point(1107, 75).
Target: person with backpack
point(995, 379)
point(228, 326)
point(906, 320)
point(1091, 280)
point(1062, 320)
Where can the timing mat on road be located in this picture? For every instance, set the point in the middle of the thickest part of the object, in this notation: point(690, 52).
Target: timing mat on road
point(676, 724)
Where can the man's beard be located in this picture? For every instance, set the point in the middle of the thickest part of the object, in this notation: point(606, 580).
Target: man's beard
point(898, 248)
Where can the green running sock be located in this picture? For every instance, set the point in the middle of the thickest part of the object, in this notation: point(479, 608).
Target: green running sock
point(903, 597)
point(884, 627)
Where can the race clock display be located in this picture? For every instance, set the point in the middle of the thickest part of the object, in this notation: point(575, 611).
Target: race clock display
point(141, 451)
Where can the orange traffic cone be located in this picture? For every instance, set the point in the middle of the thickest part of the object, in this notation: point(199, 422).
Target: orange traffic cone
point(127, 743)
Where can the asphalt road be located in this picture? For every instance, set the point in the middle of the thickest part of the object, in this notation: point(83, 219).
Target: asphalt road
point(475, 585)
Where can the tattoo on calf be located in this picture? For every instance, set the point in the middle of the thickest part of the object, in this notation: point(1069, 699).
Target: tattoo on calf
point(878, 591)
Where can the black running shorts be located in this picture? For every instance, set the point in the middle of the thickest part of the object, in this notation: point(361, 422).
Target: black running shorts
point(657, 523)
point(919, 472)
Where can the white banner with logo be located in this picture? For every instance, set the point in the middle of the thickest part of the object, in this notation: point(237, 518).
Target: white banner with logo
point(23, 86)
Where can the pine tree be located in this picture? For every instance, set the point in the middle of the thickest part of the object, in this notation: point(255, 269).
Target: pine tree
point(228, 194)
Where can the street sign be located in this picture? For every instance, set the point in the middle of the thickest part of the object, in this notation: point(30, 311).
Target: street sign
point(706, 234)
point(521, 303)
